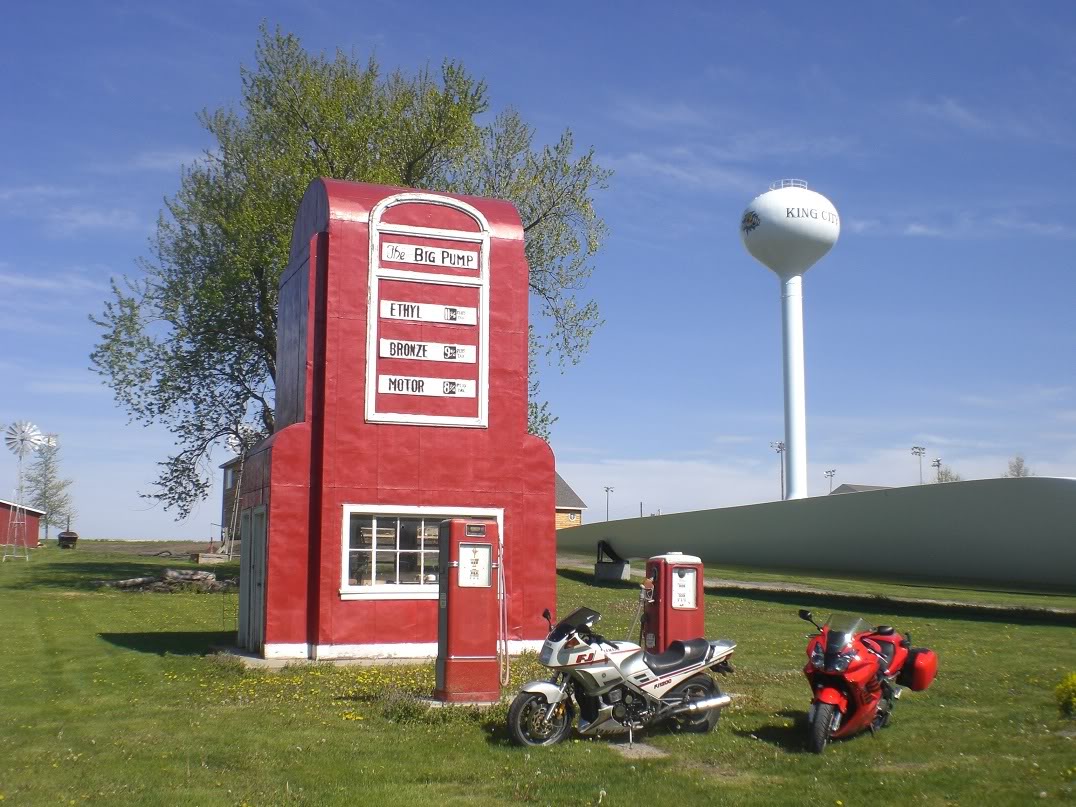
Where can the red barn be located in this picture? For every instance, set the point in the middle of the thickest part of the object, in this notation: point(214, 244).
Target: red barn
point(33, 523)
point(401, 401)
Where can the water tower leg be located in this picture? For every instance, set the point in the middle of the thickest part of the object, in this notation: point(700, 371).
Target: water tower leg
point(795, 396)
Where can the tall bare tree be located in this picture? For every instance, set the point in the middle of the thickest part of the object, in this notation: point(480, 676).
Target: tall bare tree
point(47, 490)
point(1018, 468)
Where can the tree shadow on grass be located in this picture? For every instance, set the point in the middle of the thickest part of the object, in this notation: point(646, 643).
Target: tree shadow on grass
point(866, 603)
point(870, 604)
point(173, 642)
point(790, 738)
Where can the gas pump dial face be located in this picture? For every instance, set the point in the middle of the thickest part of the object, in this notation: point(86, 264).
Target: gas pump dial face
point(683, 588)
point(475, 565)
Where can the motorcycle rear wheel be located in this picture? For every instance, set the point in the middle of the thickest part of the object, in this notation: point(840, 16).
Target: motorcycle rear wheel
point(697, 687)
point(819, 728)
point(527, 724)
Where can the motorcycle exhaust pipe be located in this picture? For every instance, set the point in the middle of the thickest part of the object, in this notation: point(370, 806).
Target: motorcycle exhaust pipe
point(704, 705)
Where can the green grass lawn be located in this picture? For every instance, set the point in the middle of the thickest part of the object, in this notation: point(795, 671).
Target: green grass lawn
point(107, 698)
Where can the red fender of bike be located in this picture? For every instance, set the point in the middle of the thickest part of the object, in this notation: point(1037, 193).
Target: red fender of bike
point(832, 695)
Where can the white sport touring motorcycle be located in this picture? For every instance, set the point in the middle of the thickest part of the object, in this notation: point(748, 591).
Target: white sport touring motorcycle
point(618, 686)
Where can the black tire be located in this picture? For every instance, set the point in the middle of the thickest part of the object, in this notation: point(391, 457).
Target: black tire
point(697, 686)
point(818, 730)
point(527, 724)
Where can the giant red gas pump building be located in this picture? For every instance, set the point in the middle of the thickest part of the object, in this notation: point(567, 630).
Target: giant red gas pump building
point(401, 402)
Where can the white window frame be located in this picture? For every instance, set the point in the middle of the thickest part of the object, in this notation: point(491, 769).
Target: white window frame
point(407, 591)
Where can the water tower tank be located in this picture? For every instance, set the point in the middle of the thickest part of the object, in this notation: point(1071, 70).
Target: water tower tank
point(787, 229)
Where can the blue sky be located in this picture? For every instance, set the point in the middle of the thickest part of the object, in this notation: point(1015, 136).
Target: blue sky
point(943, 133)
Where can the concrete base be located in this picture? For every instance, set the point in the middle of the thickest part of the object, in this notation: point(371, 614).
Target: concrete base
point(253, 662)
point(211, 557)
point(607, 571)
point(433, 703)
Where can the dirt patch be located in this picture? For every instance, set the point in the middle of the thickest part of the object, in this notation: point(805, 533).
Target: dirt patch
point(903, 767)
point(637, 750)
point(725, 774)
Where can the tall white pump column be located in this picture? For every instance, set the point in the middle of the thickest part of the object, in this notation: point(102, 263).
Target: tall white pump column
point(795, 394)
point(788, 229)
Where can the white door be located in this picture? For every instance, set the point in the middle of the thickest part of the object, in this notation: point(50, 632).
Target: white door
point(258, 543)
point(246, 575)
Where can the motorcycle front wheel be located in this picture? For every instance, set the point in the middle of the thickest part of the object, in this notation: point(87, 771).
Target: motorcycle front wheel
point(696, 687)
point(527, 723)
point(820, 727)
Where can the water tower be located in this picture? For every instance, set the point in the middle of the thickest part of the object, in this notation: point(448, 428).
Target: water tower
point(787, 229)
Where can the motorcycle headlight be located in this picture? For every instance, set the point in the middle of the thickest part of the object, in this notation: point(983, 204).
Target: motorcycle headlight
point(818, 658)
point(840, 664)
point(547, 654)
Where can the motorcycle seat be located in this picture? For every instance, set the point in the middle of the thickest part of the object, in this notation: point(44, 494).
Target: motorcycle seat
point(678, 654)
point(887, 649)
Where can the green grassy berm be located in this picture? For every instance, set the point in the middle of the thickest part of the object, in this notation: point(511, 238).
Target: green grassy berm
point(107, 698)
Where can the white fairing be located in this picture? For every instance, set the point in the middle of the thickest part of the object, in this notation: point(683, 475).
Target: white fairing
point(789, 229)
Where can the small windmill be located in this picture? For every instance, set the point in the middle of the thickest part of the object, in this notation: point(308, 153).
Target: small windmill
point(22, 439)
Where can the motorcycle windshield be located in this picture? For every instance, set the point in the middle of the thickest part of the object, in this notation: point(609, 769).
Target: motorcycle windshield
point(842, 627)
point(580, 617)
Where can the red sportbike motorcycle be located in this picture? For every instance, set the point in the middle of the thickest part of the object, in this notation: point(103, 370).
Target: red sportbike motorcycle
point(856, 672)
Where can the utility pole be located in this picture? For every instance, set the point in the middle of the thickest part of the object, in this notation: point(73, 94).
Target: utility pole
point(779, 447)
point(829, 475)
point(937, 466)
point(608, 490)
point(919, 451)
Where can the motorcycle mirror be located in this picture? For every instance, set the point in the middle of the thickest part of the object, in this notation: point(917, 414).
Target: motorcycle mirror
point(548, 618)
point(806, 615)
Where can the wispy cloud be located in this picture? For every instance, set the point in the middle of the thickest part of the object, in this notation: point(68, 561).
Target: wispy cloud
point(63, 282)
point(685, 166)
point(35, 193)
point(159, 160)
point(61, 387)
point(72, 220)
point(998, 123)
point(860, 225)
point(1022, 398)
point(654, 114)
point(965, 225)
point(12, 322)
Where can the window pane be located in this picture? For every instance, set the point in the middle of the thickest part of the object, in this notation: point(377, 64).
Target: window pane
point(361, 531)
point(385, 568)
point(430, 531)
point(409, 532)
point(410, 568)
point(386, 532)
point(359, 569)
point(429, 568)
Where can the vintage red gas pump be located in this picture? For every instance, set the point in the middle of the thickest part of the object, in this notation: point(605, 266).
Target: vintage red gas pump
point(468, 669)
point(675, 610)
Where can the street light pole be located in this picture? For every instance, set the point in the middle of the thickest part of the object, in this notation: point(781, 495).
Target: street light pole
point(779, 447)
point(608, 490)
point(937, 464)
point(919, 451)
point(829, 475)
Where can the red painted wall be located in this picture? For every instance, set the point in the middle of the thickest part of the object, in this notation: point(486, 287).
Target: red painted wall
point(33, 526)
point(326, 454)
